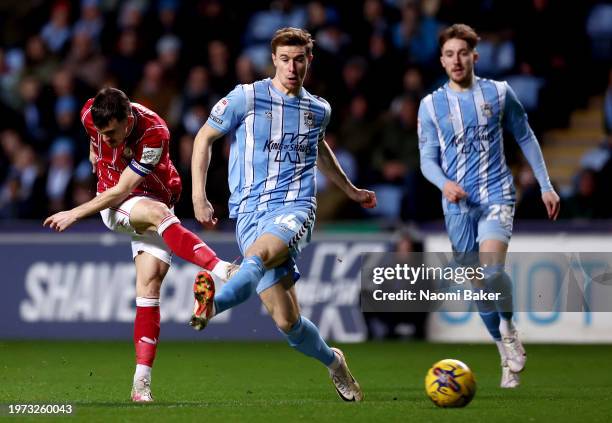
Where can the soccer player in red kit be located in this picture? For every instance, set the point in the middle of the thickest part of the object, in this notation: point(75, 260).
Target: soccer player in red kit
point(137, 188)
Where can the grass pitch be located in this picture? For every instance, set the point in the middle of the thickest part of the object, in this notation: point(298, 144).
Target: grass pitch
point(212, 382)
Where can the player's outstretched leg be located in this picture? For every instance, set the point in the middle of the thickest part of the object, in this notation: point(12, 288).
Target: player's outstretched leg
point(190, 247)
point(146, 335)
point(304, 337)
point(236, 290)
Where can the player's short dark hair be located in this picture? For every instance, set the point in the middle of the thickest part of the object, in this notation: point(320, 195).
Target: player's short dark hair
point(292, 37)
point(110, 103)
point(461, 31)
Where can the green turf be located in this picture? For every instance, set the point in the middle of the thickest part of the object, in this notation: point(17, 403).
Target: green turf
point(212, 382)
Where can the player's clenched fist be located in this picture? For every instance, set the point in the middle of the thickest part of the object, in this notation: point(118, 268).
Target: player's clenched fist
point(366, 198)
point(453, 192)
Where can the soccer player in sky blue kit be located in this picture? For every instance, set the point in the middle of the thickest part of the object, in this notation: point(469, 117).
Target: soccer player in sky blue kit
point(461, 129)
point(277, 131)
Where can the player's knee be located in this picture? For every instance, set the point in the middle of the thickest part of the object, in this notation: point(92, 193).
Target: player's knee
point(285, 324)
point(158, 212)
point(285, 321)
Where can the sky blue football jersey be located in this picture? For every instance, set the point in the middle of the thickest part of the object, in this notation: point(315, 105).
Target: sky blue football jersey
point(463, 133)
point(274, 140)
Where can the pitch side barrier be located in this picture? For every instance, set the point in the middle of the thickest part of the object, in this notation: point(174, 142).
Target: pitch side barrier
point(80, 285)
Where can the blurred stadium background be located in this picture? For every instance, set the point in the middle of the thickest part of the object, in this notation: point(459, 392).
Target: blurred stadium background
point(374, 60)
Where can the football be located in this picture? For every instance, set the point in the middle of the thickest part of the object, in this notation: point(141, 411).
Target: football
point(450, 383)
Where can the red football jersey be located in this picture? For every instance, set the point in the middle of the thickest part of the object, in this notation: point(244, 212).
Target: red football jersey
point(145, 151)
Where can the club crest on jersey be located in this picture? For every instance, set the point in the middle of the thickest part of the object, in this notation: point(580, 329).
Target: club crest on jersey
point(268, 114)
point(220, 107)
point(127, 153)
point(487, 110)
point(309, 119)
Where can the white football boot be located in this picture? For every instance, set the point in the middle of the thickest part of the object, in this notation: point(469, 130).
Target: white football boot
point(141, 390)
point(515, 352)
point(347, 387)
point(509, 378)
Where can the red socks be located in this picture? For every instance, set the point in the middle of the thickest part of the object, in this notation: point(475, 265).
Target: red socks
point(186, 244)
point(146, 330)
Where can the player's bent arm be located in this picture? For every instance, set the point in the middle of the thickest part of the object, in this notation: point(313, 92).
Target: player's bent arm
point(128, 181)
point(430, 167)
point(328, 164)
point(515, 121)
point(200, 160)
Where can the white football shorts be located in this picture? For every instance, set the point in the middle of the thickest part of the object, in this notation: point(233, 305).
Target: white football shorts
point(117, 219)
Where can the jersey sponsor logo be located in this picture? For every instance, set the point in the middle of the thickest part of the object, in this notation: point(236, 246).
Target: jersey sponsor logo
point(151, 155)
point(474, 138)
point(220, 107)
point(290, 146)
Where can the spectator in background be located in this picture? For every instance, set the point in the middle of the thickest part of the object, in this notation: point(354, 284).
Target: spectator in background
point(22, 194)
point(83, 184)
point(126, 63)
point(529, 196)
point(353, 83)
point(331, 203)
point(152, 90)
point(61, 163)
point(39, 64)
point(383, 66)
point(56, 32)
point(245, 70)
point(263, 24)
point(167, 16)
point(584, 203)
point(400, 325)
point(34, 112)
point(196, 91)
point(91, 21)
point(168, 55)
point(496, 54)
point(85, 61)
point(65, 104)
point(527, 88)
point(358, 130)
point(220, 73)
point(374, 20)
point(395, 158)
point(416, 34)
point(412, 82)
point(10, 144)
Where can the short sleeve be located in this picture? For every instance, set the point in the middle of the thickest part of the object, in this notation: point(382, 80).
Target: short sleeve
point(229, 111)
point(326, 119)
point(149, 152)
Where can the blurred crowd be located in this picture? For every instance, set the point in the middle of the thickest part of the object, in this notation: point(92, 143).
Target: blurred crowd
point(374, 60)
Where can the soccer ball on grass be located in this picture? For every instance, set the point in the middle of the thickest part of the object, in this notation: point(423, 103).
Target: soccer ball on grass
point(450, 383)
